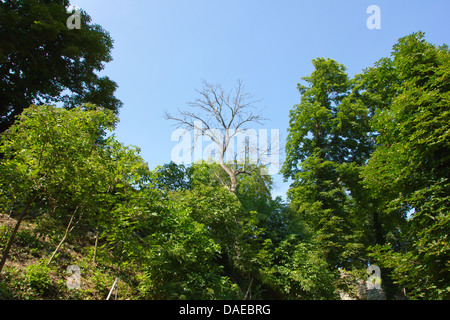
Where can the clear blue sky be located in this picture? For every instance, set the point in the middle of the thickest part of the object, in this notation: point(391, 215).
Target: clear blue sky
point(164, 48)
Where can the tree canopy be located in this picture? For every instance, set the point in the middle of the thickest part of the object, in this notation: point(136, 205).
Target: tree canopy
point(410, 169)
point(369, 161)
point(44, 62)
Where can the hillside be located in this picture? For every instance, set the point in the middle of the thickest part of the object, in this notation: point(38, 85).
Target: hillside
point(27, 276)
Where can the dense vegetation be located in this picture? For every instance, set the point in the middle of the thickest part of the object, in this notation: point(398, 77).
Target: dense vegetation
point(369, 162)
point(42, 61)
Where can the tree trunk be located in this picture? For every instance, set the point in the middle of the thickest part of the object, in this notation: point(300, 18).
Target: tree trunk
point(112, 289)
point(13, 235)
point(95, 249)
point(249, 290)
point(62, 240)
point(378, 229)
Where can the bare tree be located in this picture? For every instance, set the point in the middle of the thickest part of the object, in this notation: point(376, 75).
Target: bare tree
point(221, 116)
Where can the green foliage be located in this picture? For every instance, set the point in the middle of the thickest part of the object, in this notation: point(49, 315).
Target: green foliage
point(329, 123)
point(327, 144)
point(52, 158)
point(413, 130)
point(44, 155)
point(409, 170)
point(354, 190)
point(173, 177)
point(38, 276)
point(299, 271)
point(180, 257)
point(42, 61)
point(34, 282)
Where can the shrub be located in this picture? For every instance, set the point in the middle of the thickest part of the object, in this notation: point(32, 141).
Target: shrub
point(38, 278)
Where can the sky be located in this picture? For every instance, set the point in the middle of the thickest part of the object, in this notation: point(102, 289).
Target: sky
point(163, 49)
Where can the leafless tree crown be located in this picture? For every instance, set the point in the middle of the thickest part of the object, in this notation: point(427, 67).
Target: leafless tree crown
point(221, 116)
point(230, 111)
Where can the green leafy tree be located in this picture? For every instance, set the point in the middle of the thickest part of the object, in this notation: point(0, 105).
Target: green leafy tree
point(42, 61)
point(127, 202)
point(409, 170)
point(297, 270)
point(329, 140)
point(50, 156)
point(173, 176)
point(186, 233)
point(182, 257)
point(240, 224)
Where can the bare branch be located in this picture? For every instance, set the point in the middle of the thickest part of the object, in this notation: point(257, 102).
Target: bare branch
point(228, 113)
